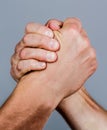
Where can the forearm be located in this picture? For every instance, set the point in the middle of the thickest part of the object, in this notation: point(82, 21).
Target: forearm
point(27, 109)
point(82, 113)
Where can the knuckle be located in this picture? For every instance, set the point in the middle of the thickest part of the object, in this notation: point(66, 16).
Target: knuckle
point(29, 26)
point(92, 53)
point(14, 60)
point(93, 67)
point(87, 42)
point(23, 53)
point(19, 46)
point(32, 39)
point(20, 65)
point(75, 22)
point(25, 38)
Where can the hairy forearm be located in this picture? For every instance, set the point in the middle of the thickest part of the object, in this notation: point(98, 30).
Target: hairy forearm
point(29, 106)
point(82, 113)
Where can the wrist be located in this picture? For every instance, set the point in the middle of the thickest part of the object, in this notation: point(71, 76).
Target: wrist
point(82, 99)
point(45, 88)
point(32, 101)
point(82, 113)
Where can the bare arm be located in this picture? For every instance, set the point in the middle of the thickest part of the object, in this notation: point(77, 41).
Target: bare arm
point(79, 110)
point(82, 112)
point(75, 61)
point(31, 103)
point(29, 106)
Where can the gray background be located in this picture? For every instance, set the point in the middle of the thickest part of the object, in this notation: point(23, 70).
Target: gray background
point(15, 14)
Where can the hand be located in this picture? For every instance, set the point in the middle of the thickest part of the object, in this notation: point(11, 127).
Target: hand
point(36, 48)
point(55, 27)
point(76, 54)
point(81, 111)
point(31, 113)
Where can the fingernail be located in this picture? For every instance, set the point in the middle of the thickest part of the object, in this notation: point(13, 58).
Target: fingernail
point(54, 44)
point(51, 56)
point(42, 64)
point(49, 33)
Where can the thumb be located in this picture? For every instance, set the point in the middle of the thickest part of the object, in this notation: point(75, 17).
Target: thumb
point(54, 24)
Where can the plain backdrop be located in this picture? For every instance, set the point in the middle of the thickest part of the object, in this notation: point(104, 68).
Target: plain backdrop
point(15, 14)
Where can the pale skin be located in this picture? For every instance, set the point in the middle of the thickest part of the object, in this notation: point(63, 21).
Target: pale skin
point(71, 114)
point(23, 110)
point(87, 114)
point(79, 110)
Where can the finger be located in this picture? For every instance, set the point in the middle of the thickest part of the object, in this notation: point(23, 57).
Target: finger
point(85, 37)
point(41, 41)
point(92, 60)
point(38, 28)
point(15, 74)
point(26, 66)
point(54, 24)
point(13, 59)
point(38, 54)
point(73, 23)
point(19, 47)
point(83, 33)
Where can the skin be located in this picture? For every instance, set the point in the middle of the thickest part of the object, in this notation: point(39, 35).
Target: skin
point(82, 113)
point(79, 110)
point(23, 110)
point(24, 60)
point(66, 108)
